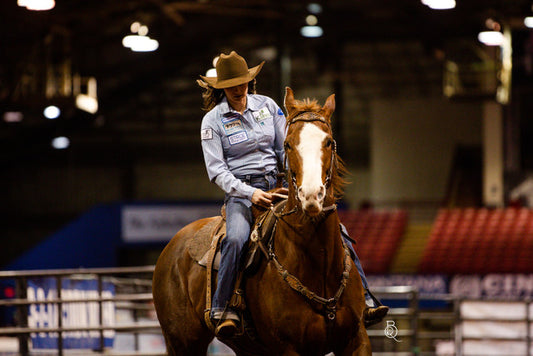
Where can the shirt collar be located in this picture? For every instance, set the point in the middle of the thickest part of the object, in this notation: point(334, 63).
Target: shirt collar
point(251, 104)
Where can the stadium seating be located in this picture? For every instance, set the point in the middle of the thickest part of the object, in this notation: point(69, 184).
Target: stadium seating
point(377, 234)
point(480, 241)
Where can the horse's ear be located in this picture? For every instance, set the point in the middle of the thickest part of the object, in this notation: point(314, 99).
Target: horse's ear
point(289, 101)
point(329, 107)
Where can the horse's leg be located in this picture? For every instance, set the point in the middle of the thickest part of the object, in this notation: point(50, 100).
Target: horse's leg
point(179, 297)
point(197, 347)
point(184, 330)
point(358, 346)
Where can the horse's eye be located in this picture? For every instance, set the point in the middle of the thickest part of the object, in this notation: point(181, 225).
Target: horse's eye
point(329, 142)
point(287, 146)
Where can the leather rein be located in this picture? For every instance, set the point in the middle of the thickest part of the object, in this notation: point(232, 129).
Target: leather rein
point(330, 304)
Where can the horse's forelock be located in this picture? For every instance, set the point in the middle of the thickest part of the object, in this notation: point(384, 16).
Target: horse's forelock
point(303, 106)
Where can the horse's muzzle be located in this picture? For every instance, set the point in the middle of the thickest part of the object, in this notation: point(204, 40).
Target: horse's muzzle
point(312, 201)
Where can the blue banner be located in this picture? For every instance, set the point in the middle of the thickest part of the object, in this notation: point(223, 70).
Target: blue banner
point(73, 315)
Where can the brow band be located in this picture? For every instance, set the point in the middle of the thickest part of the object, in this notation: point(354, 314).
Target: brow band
point(313, 117)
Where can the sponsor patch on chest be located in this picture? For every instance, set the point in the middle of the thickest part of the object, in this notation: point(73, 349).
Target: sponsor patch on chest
point(261, 115)
point(233, 126)
point(238, 138)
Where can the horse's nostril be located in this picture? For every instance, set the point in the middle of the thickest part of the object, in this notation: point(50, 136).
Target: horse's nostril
point(321, 193)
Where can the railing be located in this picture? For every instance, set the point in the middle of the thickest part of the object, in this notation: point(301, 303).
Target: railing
point(401, 333)
point(409, 329)
point(133, 293)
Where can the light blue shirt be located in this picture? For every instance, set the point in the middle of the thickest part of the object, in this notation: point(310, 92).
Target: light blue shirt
point(237, 145)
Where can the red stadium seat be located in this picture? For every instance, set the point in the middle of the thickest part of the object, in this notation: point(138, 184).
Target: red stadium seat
point(480, 241)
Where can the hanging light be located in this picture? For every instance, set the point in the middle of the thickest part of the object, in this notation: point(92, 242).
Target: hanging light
point(439, 4)
point(491, 38)
point(140, 42)
point(51, 112)
point(37, 5)
point(314, 8)
point(311, 31)
point(212, 72)
point(528, 21)
point(60, 142)
point(311, 20)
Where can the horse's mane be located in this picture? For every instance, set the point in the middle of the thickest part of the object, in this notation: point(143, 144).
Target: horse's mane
point(338, 177)
point(304, 105)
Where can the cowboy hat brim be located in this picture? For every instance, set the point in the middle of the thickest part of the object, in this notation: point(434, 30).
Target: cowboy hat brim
point(228, 83)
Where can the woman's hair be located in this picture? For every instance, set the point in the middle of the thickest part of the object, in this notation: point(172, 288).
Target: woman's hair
point(211, 96)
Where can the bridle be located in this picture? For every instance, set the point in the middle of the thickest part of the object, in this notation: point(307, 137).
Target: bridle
point(329, 304)
point(312, 117)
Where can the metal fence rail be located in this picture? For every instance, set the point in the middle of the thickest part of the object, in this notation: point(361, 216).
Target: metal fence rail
point(137, 280)
point(407, 330)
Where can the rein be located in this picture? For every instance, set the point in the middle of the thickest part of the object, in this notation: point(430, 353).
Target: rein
point(330, 304)
point(294, 283)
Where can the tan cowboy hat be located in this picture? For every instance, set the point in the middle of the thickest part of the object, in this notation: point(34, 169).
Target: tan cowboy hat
point(232, 70)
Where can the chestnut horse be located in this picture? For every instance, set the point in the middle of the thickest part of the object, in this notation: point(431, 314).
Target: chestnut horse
point(306, 297)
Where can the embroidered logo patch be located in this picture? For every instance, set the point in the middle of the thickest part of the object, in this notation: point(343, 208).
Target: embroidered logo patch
point(262, 115)
point(238, 138)
point(207, 134)
point(233, 126)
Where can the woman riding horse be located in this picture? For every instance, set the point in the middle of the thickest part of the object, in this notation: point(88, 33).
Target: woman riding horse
point(242, 142)
point(306, 259)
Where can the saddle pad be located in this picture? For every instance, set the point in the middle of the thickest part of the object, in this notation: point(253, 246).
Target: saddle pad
point(201, 242)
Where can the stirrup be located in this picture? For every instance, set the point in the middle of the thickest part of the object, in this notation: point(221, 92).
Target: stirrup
point(374, 315)
point(226, 328)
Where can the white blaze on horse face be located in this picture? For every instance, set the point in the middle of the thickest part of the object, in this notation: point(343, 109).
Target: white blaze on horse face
point(311, 191)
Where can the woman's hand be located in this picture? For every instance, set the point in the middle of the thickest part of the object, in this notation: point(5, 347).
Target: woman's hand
point(262, 198)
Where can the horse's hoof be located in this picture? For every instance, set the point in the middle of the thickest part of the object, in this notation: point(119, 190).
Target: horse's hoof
point(374, 315)
point(226, 329)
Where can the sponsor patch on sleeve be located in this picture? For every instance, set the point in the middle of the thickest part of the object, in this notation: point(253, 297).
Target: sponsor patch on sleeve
point(280, 112)
point(207, 134)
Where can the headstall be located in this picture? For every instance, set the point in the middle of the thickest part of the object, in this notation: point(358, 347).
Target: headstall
point(311, 117)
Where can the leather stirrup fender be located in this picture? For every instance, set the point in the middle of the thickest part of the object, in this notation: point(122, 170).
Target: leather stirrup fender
point(209, 274)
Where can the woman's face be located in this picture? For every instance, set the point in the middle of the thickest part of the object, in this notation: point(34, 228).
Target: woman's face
point(237, 96)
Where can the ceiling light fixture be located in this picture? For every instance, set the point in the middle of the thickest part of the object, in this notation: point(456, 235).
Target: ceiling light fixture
point(311, 31)
point(311, 20)
point(140, 42)
point(314, 8)
point(493, 35)
point(51, 112)
point(212, 72)
point(60, 142)
point(13, 116)
point(37, 5)
point(491, 38)
point(528, 21)
point(88, 102)
point(439, 4)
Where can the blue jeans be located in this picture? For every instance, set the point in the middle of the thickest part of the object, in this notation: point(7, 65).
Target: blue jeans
point(238, 227)
point(369, 298)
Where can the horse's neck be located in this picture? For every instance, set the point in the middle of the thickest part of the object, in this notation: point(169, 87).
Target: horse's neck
point(310, 247)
